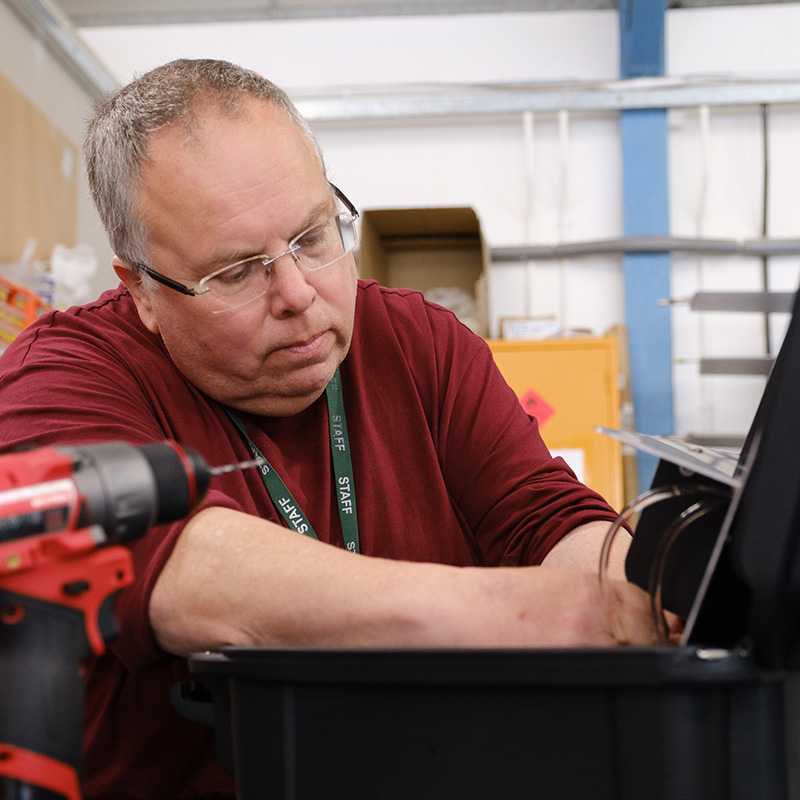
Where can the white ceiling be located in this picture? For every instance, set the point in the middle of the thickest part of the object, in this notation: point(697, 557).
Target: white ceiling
point(94, 13)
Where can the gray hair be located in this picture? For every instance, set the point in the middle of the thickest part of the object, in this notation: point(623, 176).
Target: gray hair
point(118, 136)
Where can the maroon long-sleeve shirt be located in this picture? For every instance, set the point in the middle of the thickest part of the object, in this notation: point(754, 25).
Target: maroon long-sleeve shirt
point(448, 468)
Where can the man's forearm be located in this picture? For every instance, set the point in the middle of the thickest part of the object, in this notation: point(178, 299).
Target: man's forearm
point(237, 579)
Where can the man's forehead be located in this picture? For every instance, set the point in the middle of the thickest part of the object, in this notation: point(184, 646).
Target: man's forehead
point(224, 253)
point(223, 146)
point(198, 128)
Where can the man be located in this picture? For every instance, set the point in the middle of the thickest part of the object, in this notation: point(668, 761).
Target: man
point(241, 328)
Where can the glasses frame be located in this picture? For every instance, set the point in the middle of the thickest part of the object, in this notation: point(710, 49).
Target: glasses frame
point(200, 289)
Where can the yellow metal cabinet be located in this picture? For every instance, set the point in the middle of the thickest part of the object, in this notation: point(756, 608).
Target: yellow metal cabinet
point(571, 386)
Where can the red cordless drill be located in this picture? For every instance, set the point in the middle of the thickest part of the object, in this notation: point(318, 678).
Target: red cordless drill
point(63, 513)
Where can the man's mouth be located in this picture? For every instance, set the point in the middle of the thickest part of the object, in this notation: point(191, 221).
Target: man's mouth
point(305, 346)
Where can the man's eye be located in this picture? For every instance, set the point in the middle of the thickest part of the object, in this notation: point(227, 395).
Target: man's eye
point(313, 238)
point(238, 273)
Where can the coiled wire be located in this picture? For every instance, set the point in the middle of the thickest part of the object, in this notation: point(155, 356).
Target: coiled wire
point(711, 498)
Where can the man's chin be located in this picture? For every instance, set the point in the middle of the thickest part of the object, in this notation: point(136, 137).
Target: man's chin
point(288, 399)
point(283, 406)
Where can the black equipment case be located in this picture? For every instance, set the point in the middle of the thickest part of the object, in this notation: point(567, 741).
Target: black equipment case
point(714, 719)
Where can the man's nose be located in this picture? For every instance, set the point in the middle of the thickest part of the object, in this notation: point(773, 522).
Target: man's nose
point(289, 291)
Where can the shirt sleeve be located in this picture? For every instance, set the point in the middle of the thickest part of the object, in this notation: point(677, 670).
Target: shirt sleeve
point(59, 389)
point(516, 499)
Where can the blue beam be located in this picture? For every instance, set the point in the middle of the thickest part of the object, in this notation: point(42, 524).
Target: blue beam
point(645, 186)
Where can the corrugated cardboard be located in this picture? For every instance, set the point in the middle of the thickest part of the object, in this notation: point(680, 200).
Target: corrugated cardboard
point(39, 170)
point(426, 248)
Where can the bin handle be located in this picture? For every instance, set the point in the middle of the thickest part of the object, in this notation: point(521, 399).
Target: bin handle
point(193, 702)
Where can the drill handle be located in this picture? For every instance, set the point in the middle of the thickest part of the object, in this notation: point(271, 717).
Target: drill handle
point(42, 692)
point(56, 608)
point(67, 570)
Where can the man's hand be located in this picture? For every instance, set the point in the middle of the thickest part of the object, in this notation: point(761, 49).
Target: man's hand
point(547, 607)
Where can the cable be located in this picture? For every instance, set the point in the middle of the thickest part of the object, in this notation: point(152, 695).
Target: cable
point(563, 203)
point(640, 503)
point(704, 112)
point(685, 519)
point(765, 222)
point(529, 145)
point(679, 525)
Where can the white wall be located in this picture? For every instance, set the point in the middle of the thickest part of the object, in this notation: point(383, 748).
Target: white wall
point(476, 162)
point(43, 80)
point(755, 41)
point(570, 185)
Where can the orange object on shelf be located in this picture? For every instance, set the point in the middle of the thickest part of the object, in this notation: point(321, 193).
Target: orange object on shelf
point(19, 306)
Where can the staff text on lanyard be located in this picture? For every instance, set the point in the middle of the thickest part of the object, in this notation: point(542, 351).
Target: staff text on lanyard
point(289, 509)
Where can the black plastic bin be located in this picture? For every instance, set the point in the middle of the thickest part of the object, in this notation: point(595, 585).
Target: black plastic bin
point(627, 724)
point(683, 723)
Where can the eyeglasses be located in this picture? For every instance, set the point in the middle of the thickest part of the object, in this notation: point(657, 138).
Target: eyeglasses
point(316, 248)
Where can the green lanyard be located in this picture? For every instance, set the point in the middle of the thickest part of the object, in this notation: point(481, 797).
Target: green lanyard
point(289, 509)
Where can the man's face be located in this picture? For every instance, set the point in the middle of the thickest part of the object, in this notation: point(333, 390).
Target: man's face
point(241, 186)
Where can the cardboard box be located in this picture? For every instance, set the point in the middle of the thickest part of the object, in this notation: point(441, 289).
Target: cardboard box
point(425, 249)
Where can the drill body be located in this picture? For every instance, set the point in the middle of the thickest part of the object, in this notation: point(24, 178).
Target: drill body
point(64, 512)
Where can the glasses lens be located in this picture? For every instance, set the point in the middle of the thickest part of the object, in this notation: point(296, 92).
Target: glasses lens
point(318, 247)
point(240, 280)
point(325, 244)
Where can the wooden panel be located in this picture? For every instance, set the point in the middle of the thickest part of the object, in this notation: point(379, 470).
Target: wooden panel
point(579, 379)
point(38, 165)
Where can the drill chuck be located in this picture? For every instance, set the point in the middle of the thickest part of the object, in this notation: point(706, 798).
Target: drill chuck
point(127, 488)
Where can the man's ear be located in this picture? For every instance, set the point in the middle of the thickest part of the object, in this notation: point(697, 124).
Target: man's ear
point(143, 298)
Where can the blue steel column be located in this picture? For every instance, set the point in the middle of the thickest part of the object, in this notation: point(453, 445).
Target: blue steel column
point(646, 212)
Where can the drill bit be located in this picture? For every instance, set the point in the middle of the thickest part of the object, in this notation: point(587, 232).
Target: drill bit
point(224, 469)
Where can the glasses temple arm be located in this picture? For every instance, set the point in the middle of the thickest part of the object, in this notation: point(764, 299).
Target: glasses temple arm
point(163, 279)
